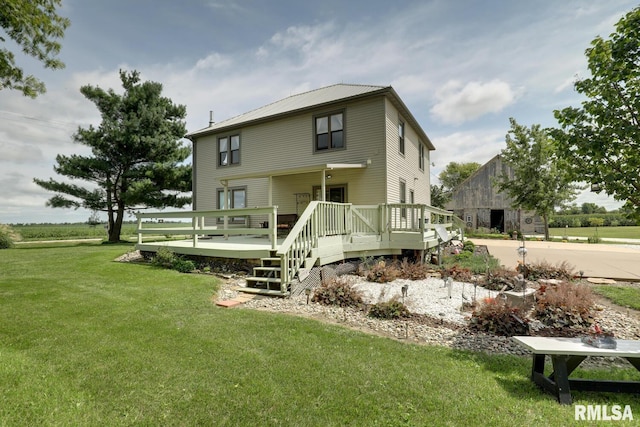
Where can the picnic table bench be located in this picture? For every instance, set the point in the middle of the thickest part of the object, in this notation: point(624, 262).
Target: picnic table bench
point(566, 355)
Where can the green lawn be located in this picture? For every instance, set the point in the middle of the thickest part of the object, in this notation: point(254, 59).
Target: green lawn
point(631, 232)
point(88, 341)
point(624, 296)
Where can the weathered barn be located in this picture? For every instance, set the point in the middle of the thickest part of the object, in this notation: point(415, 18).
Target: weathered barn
point(480, 204)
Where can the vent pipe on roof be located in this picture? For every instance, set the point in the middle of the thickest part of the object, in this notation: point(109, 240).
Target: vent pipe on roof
point(211, 122)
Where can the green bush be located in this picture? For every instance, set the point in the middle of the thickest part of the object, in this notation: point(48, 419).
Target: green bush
point(338, 292)
point(468, 246)
point(392, 309)
point(7, 237)
point(498, 317)
point(164, 257)
point(183, 265)
point(583, 220)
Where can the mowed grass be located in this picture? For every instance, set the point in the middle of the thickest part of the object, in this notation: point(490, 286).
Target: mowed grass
point(630, 232)
point(624, 296)
point(88, 341)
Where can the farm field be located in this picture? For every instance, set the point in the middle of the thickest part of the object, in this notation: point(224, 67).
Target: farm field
point(90, 341)
point(34, 232)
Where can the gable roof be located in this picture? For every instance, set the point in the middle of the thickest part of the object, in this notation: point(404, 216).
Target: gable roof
point(314, 99)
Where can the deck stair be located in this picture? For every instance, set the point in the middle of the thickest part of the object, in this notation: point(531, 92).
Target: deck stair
point(267, 278)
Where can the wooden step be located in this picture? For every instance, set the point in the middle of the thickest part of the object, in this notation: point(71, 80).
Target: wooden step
point(270, 262)
point(263, 279)
point(267, 271)
point(268, 292)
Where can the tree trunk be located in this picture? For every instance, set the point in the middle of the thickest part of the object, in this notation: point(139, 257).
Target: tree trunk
point(545, 217)
point(115, 224)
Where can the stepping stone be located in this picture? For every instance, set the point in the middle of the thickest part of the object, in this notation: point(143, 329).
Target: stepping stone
point(228, 303)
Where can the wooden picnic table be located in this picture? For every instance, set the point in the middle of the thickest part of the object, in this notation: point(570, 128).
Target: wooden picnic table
point(566, 355)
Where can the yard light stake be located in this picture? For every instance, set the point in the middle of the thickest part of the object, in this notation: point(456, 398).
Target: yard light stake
point(522, 251)
point(307, 291)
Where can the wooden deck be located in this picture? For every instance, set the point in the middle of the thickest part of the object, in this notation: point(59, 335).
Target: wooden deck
point(241, 247)
point(325, 233)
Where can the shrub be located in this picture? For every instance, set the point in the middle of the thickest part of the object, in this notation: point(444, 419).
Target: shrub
point(381, 272)
point(500, 277)
point(468, 246)
point(183, 265)
point(412, 270)
point(564, 305)
point(498, 317)
point(337, 291)
point(459, 274)
point(392, 309)
point(7, 236)
point(164, 257)
point(546, 270)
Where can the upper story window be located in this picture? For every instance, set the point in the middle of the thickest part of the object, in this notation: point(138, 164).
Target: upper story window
point(401, 136)
point(421, 155)
point(329, 132)
point(229, 150)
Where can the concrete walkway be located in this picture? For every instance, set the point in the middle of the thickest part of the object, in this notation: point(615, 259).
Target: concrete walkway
point(620, 262)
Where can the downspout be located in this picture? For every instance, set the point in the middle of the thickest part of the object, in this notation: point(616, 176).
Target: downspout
point(324, 186)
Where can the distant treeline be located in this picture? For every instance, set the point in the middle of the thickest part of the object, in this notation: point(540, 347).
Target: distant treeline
point(611, 219)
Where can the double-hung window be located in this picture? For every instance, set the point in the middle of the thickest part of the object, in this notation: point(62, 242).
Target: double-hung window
point(403, 197)
point(229, 150)
point(421, 155)
point(329, 132)
point(401, 137)
point(237, 200)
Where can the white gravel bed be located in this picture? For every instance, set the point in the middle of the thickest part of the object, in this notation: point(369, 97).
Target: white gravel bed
point(430, 296)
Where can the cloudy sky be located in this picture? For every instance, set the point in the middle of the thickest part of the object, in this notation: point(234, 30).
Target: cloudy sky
point(463, 67)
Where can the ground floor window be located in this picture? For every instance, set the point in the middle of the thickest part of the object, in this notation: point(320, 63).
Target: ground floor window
point(237, 200)
point(333, 193)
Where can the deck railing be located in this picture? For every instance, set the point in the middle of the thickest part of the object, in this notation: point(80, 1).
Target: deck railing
point(199, 219)
point(321, 219)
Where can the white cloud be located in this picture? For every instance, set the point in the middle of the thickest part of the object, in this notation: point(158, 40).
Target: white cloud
point(469, 146)
point(458, 104)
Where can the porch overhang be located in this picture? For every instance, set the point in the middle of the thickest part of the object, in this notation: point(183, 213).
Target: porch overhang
point(295, 171)
point(320, 168)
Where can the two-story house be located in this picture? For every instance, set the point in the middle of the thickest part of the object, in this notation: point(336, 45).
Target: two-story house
point(335, 173)
point(342, 143)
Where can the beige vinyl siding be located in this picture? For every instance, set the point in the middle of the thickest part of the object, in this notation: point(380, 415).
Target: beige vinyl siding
point(289, 143)
point(405, 167)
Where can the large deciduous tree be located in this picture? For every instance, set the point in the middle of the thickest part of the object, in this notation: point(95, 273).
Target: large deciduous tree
point(34, 26)
point(451, 176)
point(539, 180)
point(601, 140)
point(137, 157)
point(454, 173)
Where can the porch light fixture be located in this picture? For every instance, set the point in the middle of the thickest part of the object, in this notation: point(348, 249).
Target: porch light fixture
point(328, 176)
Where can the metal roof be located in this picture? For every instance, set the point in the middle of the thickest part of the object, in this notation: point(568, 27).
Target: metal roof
point(312, 99)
